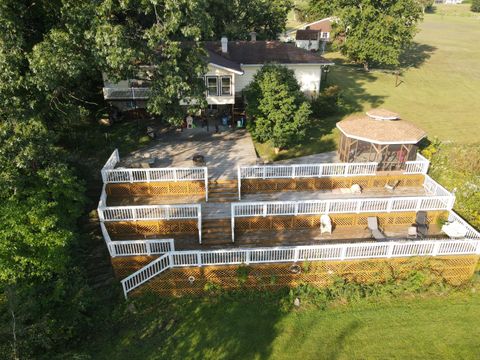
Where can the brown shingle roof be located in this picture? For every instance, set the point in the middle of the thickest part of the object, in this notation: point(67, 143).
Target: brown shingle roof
point(262, 52)
point(307, 35)
point(324, 25)
point(381, 131)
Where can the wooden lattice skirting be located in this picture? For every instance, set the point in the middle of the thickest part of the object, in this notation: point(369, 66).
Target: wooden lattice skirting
point(385, 220)
point(306, 184)
point(178, 282)
point(148, 228)
point(155, 189)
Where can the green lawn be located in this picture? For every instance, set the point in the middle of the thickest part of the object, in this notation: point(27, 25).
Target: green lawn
point(252, 328)
point(439, 89)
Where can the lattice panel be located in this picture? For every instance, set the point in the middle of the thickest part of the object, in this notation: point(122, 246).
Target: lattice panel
point(136, 229)
point(124, 266)
point(338, 220)
point(306, 184)
point(175, 282)
point(156, 188)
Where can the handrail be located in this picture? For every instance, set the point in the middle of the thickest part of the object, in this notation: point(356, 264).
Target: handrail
point(307, 170)
point(360, 205)
point(371, 250)
point(110, 175)
point(419, 166)
point(472, 233)
point(140, 247)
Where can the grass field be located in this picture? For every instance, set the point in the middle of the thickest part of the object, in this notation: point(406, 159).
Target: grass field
point(251, 328)
point(439, 88)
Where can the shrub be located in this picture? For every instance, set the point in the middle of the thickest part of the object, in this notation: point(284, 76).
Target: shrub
point(326, 103)
point(475, 7)
point(278, 108)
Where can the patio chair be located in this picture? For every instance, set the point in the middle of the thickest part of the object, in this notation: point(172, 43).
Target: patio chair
point(373, 226)
point(325, 224)
point(421, 222)
point(356, 189)
point(390, 186)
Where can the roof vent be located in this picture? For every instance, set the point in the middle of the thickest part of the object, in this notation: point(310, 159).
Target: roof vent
point(224, 42)
point(382, 115)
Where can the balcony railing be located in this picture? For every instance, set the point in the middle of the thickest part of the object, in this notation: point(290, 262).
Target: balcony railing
point(132, 93)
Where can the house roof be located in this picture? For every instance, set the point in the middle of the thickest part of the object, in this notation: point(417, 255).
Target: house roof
point(222, 62)
point(324, 25)
point(307, 35)
point(261, 52)
point(381, 126)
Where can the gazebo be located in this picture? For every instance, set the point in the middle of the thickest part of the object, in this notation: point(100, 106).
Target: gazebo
point(379, 136)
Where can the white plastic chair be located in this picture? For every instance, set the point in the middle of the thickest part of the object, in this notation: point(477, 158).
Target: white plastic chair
point(325, 224)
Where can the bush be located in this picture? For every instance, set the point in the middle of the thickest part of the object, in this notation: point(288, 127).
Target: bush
point(475, 7)
point(278, 108)
point(326, 103)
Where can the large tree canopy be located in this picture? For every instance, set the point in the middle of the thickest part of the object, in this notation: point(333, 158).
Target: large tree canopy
point(370, 31)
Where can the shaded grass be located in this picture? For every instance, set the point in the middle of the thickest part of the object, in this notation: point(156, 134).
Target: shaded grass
point(441, 327)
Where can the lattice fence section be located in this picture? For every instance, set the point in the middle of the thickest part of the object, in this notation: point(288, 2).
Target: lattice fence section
point(124, 266)
point(385, 220)
point(177, 282)
point(142, 228)
point(308, 184)
point(155, 189)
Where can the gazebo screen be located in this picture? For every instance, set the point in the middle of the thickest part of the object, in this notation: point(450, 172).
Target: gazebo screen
point(388, 156)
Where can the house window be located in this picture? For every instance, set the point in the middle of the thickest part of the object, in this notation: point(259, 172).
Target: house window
point(226, 86)
point(212, 86)
point(325, 35)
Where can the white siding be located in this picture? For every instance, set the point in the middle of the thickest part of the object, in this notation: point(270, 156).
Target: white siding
point(308, 76)
point(221, 100)
point(307, 44)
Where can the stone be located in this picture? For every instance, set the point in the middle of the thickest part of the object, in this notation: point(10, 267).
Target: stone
point(296, 302)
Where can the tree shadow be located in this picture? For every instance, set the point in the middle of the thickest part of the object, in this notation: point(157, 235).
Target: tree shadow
point(339, 342)
point(416, 55)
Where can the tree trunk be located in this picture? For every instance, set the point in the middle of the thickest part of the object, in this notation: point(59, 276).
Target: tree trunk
point(365, 66)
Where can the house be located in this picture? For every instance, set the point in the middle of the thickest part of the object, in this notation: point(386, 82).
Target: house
point(231, 67)
point(308, 39)
point(323, 27)
point(179, 230)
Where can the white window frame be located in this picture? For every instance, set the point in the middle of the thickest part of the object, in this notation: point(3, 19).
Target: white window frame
point(220, 91)
point(208, 88)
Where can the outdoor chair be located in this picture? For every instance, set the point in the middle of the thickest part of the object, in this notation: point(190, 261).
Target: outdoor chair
point(390, 186)
point(412, 232)
point(373, 226)
point(325, 224)
point(421, 222)
point(356, 189)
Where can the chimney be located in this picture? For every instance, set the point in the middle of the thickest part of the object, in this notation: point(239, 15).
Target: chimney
point(224, 42)
point(253, 36)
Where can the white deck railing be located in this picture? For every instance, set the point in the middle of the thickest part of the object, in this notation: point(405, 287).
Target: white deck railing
point(418, 166)
point(294, 254)
point(110, 93)
point(434, 188)
point(136, 247)
point(471, 232)
point(318, 207)
point(152, 212)
point(132, 175)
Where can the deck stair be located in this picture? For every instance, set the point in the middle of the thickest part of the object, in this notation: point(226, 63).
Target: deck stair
point(222, 190)
point(216, 232)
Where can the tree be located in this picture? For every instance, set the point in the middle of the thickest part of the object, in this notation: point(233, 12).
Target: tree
point(475, 7)
point(369, 31)
point(278, 107)
point(425, 4)
point(237, 18)
point(319, 9)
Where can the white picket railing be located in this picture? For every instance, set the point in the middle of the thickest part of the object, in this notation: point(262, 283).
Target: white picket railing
point(294, 254)
point(136, 247)
point(360, 205)
point(434, 188)
point(152, 212)
point(471, 232)
point(141, 276)
point(132, 175)
point(139, 93)
point(306, 170)
point(418, 166)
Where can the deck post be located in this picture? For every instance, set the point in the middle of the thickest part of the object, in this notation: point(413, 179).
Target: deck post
point(206, 182)
point(239, 177)
point(232, 215)
point(435, 249)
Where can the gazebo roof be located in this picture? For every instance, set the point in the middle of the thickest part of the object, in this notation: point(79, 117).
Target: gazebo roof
point(380, 126)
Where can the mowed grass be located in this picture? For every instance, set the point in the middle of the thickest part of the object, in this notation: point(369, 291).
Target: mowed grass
point(416, 328)
point(438, 89)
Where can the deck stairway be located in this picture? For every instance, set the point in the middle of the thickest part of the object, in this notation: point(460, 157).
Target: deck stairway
point(222, 190)
point(216, 232)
